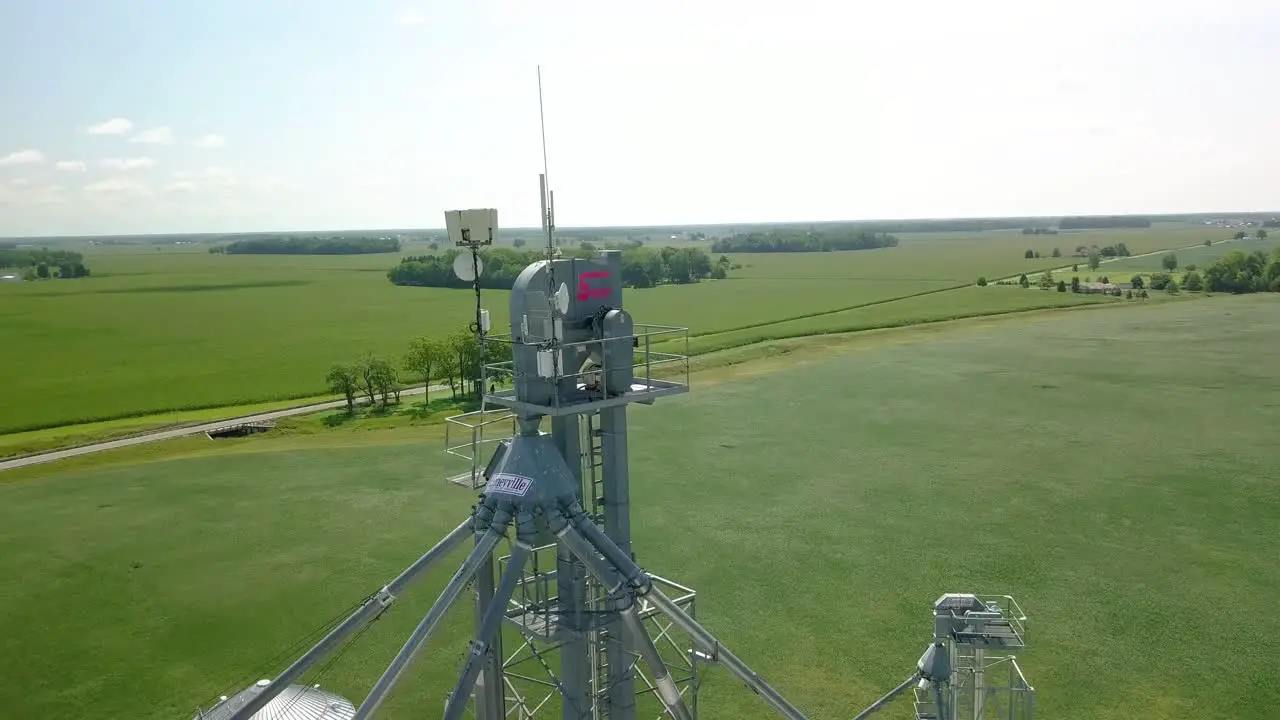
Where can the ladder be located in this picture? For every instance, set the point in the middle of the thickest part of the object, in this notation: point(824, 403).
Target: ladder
point(593, 457)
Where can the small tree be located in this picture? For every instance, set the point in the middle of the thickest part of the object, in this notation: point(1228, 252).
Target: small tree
point(1136, 281)
point(1075, 267)
point(1128, 294)
point(1062, 286)
point(425, 357)
point(385, 381)
point(1095, 259)
point(1029, 254)
point(1241, 235)
point(1046, 280)
point(344, 380)
point(1207, 243)
point(1023, 281)
point(518, 242)
point(982, 282)
point(1190, 267)
point(367, 373)
point(1192, 281)
point(1160, 281)
point(42, 271)
point(1057, 252)
point(1171, 287)
point(1169, 262)
point(1075, 284)
point(1262, 234)
point(465, 352)
point(1142, 294)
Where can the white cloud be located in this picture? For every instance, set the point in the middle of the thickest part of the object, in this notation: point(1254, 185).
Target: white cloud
point(71, 165)
point(180, 186)
point(155, 136)
point(411, 17)
point(137, 163)
point(270, 182)
point(221, 176)
point(117, 187)
point(22, 157)
point(211, 141)
point(114, 126)
point(23, 193)
point(374, 181)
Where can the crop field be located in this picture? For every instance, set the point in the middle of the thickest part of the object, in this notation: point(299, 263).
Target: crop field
point(172, 329)
point(1200, 256)
point(1114, 471)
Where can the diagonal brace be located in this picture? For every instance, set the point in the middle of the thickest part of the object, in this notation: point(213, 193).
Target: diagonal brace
point(423, 631)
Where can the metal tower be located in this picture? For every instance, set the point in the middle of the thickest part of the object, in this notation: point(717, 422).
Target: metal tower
point(600, 631)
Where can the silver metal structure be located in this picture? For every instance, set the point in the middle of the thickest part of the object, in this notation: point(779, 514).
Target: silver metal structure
point(597, 636)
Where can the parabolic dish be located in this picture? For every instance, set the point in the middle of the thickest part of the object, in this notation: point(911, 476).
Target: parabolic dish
point(464, 269)
point(562, 299)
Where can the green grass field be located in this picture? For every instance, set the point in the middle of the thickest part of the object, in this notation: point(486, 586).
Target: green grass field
point(1113, 470)
point(175, 329)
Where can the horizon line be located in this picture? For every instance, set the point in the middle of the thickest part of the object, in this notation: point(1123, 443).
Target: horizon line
point(580, 228)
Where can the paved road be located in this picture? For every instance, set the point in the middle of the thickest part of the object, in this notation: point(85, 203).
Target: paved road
point(157, 435)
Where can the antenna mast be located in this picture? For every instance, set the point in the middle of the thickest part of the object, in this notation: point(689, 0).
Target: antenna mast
point(544, 180)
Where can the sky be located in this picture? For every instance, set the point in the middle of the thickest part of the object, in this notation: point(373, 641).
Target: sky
point(174, 116)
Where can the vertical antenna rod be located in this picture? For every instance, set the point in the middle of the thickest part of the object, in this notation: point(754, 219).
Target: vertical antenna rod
point(549, 224)
point(548, 197)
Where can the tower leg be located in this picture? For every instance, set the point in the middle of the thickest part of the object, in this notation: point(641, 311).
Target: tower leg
point(490, 628)
point(617, 525)
point(490, 693)
point(571, 589)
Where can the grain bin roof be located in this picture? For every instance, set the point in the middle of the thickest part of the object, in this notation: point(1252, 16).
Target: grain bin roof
point(296, 702)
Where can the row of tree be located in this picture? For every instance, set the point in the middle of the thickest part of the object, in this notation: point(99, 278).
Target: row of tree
point(43, 263)
point(1100, 222)
point(296, 245)
point(1039, 231)
point(800, 241)
point(454, 359)
point(642, 267)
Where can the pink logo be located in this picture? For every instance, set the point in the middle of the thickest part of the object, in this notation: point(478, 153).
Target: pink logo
point(586, 292)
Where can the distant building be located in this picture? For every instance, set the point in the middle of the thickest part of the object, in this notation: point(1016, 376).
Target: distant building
point(8, 278)
point(1097, 288)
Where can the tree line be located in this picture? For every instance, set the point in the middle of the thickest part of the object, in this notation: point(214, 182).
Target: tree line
point(453, 359)
point(43, 263)
point(294, 245)
point(642, 267)
point(1102, 222)
point(1238, 272)
point(789, 241)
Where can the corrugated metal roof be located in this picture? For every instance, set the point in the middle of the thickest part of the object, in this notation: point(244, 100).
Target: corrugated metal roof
point(296, 702)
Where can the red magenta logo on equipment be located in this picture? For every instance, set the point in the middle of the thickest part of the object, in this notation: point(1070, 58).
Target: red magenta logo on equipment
point(586, 292)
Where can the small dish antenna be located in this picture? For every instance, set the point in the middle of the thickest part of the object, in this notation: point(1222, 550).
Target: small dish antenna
point(561, 299)
point(465, 266)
